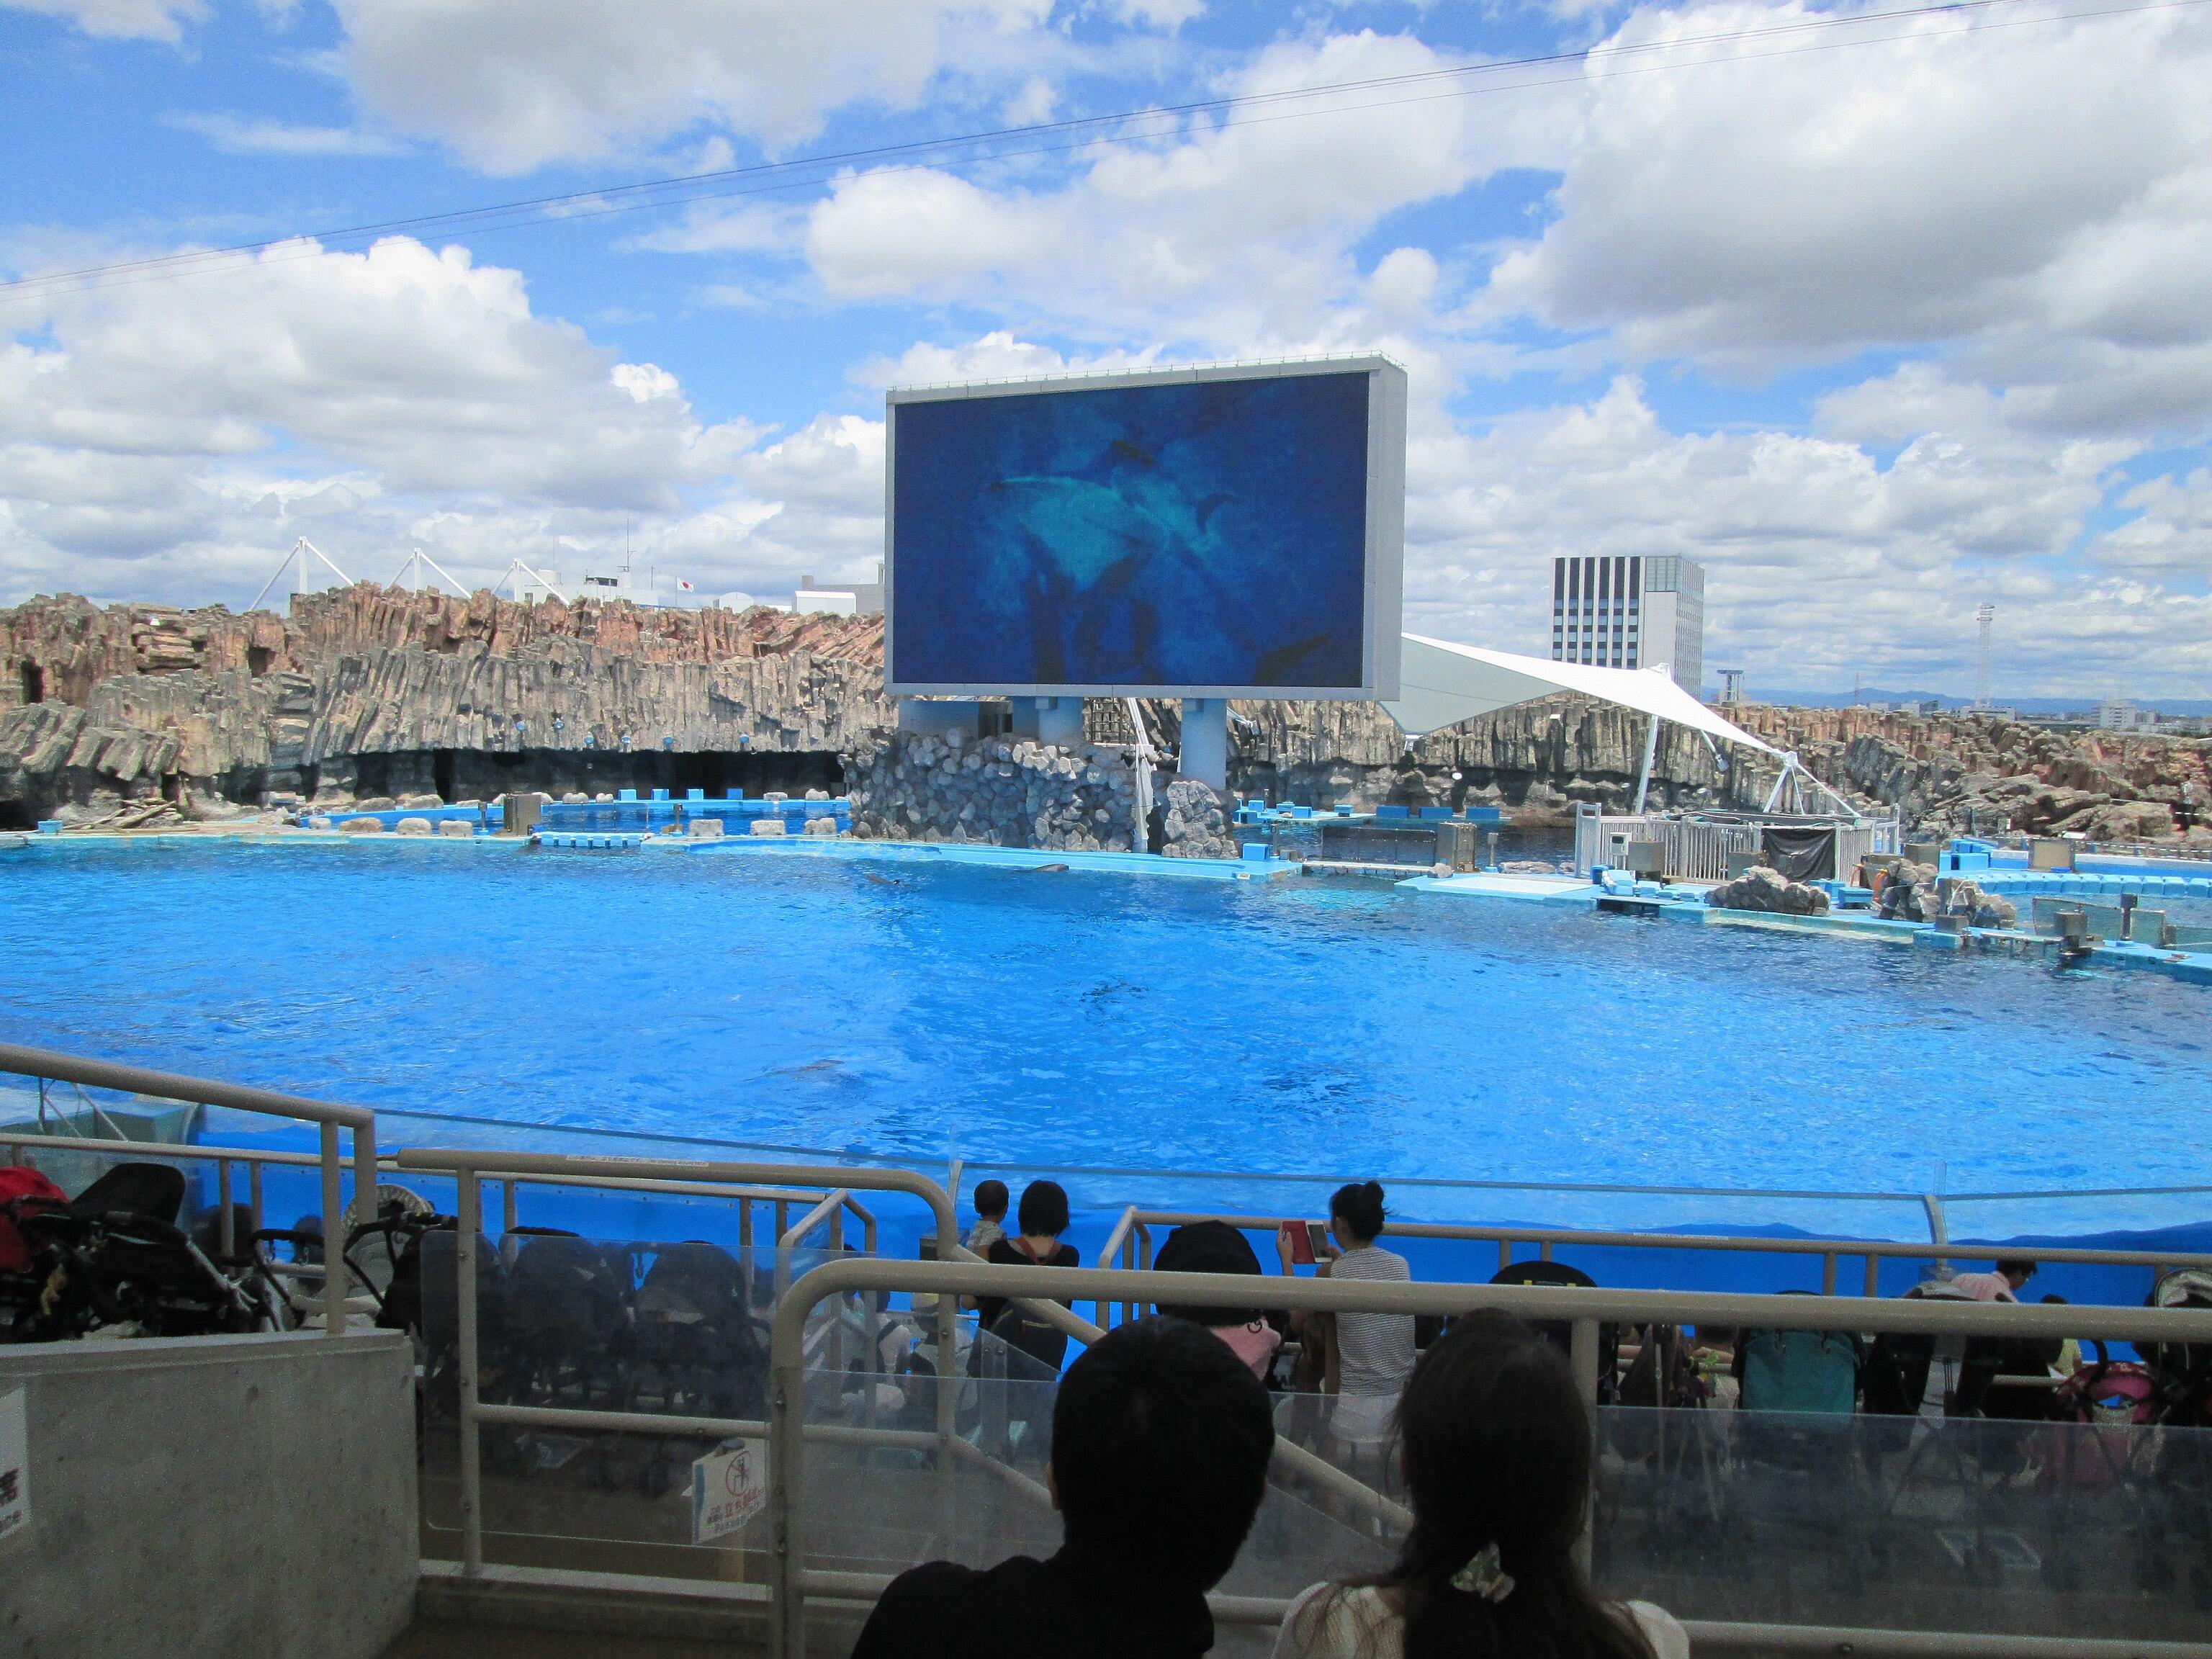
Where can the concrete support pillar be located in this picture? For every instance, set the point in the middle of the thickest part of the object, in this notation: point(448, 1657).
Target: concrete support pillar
point(1205, 740)
point(1060, 722)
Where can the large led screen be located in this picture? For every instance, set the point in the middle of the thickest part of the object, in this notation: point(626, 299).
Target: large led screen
point(1192, 533)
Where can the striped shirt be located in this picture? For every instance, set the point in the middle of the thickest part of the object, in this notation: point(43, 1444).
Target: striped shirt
point(1374, 1351)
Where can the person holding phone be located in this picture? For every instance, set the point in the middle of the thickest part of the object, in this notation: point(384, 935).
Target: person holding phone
point(1370, 1356)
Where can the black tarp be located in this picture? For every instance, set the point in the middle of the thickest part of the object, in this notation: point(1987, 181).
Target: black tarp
point(1800, 855)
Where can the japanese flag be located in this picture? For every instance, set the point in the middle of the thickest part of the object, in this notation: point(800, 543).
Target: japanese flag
point(683, 587)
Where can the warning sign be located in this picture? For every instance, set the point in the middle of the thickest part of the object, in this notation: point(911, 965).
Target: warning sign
point(728, 1488)
point(15, 1468)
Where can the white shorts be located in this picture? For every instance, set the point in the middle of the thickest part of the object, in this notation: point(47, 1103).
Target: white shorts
point(1362, 1420)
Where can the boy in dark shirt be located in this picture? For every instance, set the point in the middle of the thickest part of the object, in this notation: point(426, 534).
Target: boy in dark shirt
point(1160, 1442)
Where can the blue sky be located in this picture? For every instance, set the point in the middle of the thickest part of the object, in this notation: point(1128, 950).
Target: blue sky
point(1881, 320)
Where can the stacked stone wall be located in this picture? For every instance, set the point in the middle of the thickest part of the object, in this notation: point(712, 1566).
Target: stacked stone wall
point(1002, 793)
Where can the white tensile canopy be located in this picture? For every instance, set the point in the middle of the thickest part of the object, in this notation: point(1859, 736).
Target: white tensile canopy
point(1441, 685)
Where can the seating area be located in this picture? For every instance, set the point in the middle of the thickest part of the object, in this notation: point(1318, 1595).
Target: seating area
point(599, 1339)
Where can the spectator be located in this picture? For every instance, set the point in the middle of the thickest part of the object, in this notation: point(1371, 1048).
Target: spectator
point(990, 1216)
point(1373, 1352)
point(1042, 1218)
point(1498, 1448)
point(2003, 1286)
point(1160, 1442)
point(1215, 1246)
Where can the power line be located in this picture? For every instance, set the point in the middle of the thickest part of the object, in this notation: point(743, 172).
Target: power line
point(1085, 132)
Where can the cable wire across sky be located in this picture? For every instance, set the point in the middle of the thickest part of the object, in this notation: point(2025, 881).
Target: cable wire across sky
point(1077, 134)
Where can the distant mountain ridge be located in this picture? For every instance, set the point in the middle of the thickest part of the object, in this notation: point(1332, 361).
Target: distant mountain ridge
point(2178, 707)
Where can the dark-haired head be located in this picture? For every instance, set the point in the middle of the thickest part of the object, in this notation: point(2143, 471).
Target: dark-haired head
point(1044, 1209)
point(2018, 1269)
point(990, 1200)
point(1497, 1448)
point(1357, 1209)
point(1160, 1441)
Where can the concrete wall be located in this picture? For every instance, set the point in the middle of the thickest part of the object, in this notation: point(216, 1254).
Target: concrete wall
point(213, 1496)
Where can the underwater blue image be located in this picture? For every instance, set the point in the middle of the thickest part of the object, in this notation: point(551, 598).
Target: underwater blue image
point(1141, 536)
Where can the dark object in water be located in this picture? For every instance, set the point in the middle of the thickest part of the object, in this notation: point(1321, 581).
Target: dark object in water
point(1040, 869)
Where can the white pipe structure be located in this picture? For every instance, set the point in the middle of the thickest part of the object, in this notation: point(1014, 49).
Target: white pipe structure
point(416, 561)
point(537, 578)
point(303, 550)
point(1140, 831)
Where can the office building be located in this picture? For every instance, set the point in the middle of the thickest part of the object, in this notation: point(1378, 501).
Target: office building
point(1631, 612)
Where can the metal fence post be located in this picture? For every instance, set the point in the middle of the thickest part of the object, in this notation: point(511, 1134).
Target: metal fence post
point(786, 1451)
point(334, 1267)
point(225, 1232)
point(254, 1194)
point(469, 1219)
point(1828, 1274)
point(1583, 1353)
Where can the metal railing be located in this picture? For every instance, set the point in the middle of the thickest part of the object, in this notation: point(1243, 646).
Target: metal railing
point(1132, 1239)
point(471, 1168)
point(1583, 1311)
point(328, 1117)
point(1696, 848)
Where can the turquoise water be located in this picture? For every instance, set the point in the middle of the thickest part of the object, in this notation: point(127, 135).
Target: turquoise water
point(923, 1008)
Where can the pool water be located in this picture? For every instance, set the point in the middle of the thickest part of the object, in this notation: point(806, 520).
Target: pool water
point(926, 1008)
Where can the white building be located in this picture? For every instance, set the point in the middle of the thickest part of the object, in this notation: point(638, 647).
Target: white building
point(1631, 612)
point(2118, 714)
point(855, 599)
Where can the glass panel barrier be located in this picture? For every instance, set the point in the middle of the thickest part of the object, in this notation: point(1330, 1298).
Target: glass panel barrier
point(1964, 1523)
point(569, 1323)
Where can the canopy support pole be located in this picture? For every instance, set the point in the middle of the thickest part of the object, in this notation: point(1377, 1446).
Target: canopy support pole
point(1650, 753)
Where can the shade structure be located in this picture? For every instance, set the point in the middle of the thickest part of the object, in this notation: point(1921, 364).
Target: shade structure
point(1441, 685)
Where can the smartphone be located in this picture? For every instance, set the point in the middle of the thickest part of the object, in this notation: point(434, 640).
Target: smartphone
point(1317, 1239)
point(1302, 1241)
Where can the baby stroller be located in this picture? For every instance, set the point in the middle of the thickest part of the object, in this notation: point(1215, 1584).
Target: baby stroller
point(1559, 1333)
point(695, 1346)
point(568, 1318)
point(113, 1259)
point(1793, 1464)
point(694, 1336)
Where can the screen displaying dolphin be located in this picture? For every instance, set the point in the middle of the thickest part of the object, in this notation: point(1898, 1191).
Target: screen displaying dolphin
point(1143, 534)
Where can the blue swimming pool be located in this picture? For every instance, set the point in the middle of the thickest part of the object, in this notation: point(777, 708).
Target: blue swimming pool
point(923, 1008)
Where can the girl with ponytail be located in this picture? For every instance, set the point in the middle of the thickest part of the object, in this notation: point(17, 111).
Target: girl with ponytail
point(1496, 1449)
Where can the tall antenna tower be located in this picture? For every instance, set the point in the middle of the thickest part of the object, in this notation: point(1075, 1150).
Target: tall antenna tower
point(1983, 616)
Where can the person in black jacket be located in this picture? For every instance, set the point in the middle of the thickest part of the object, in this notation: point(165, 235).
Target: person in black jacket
point(1160, 1442)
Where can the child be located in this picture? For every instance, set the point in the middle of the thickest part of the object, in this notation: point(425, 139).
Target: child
point(990, 1216)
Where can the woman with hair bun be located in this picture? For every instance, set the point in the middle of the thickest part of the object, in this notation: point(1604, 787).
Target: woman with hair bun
point(1497, 1448)
point(1374, 1351)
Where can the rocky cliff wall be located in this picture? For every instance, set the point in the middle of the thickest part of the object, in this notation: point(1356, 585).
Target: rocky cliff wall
point(1951, 771)
point(370, 690)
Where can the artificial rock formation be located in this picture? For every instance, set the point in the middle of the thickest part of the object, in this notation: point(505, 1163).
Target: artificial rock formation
point(374, 692)
point(1194, 822)
point(1951, 772)
point(370, 690)
point(1761, 889)
point(910, 786)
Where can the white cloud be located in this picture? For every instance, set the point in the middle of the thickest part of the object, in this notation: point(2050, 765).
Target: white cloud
point(1764, 209)
point(170, 440)
point(244, 137)
point(2171, 535)
point(515, 88)
point(148, 20)
point(1821, 561)
point(1237, 236)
